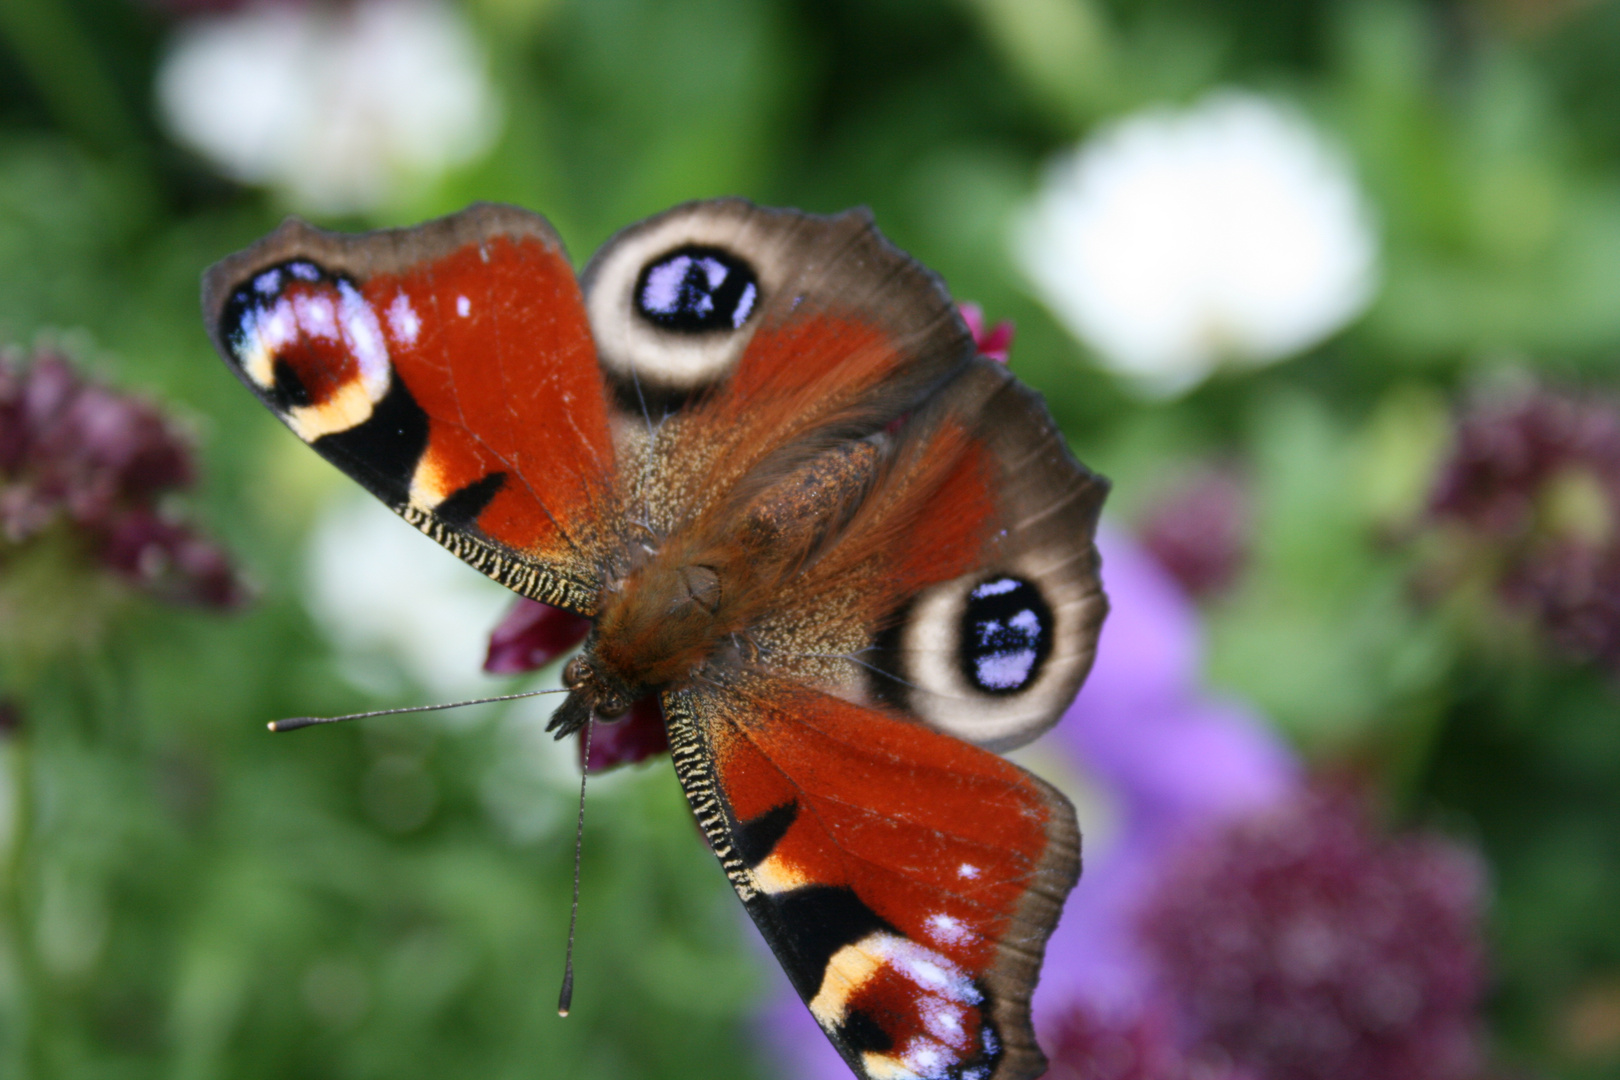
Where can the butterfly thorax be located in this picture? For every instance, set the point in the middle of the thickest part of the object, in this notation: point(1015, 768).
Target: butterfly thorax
point(687, 602)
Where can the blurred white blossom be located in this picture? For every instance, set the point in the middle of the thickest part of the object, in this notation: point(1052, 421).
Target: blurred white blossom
point(341, 109)
point(1176, 240)
point(380, 589)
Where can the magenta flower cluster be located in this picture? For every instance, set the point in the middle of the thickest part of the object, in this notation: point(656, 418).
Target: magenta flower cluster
point(1200, 529)
point(1532, 488)
point(83, 461)
point(1306, 945)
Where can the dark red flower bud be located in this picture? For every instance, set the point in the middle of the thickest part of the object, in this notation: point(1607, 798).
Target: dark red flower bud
point(531, 636)
point(636, 736)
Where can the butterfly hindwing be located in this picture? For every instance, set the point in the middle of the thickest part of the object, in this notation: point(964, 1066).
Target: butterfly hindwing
point(449, 369)
point(762, 301)
point(906, 880)
point(995, 653)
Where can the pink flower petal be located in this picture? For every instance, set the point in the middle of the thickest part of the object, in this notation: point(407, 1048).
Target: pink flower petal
point(994, 343)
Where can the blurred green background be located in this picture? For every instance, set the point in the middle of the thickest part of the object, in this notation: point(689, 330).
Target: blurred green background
point(182, 895)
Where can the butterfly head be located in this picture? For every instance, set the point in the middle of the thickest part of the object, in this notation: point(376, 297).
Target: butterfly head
point(590, 695)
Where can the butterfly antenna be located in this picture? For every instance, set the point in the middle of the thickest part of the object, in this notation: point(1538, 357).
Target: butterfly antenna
point(565, 999)
point(296, 722)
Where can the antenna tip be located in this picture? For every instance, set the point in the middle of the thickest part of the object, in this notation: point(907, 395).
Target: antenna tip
point(562, 1012)
point(272, 726)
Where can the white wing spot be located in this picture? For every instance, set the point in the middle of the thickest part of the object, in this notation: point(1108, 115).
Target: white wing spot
point(967, 870)
point(364, 337)
point(463, 306)
point(403, 320)
point(948, 930)
point(316, 316)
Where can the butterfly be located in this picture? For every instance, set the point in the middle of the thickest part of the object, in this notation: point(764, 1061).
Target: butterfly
point(850, 557)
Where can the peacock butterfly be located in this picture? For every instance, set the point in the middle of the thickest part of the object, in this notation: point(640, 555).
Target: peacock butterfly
point(757, 449)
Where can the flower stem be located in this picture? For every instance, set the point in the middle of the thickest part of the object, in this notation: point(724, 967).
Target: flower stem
point(20, 1055)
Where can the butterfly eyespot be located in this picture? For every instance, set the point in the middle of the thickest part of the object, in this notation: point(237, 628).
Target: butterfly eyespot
point(1005, 635)
point(697, 290)
point(991, 658)
point(674, 301)
point(311, 344)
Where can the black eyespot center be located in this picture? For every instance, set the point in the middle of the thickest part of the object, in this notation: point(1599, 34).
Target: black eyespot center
point(1005, 635)
point(289, 391)
point(697, 289)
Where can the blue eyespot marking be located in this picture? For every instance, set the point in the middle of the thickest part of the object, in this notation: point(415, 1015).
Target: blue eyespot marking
point(1006, 635)
point(696, 290)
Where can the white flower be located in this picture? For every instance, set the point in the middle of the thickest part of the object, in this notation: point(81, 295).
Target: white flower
point(1173, 241)
point(379, 588)
point(339, 109)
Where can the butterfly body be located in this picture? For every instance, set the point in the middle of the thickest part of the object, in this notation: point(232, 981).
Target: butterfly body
point(687, 603)
point(757, 449)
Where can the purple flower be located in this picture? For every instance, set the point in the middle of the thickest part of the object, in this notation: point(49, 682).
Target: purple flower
point(1309, 947)
point(1200, 530)
point(531, 636)
point(82, 457)
point(1529, 501)
point(1145, 1047)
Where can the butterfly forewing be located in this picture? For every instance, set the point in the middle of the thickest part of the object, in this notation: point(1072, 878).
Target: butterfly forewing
point(447, 368)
